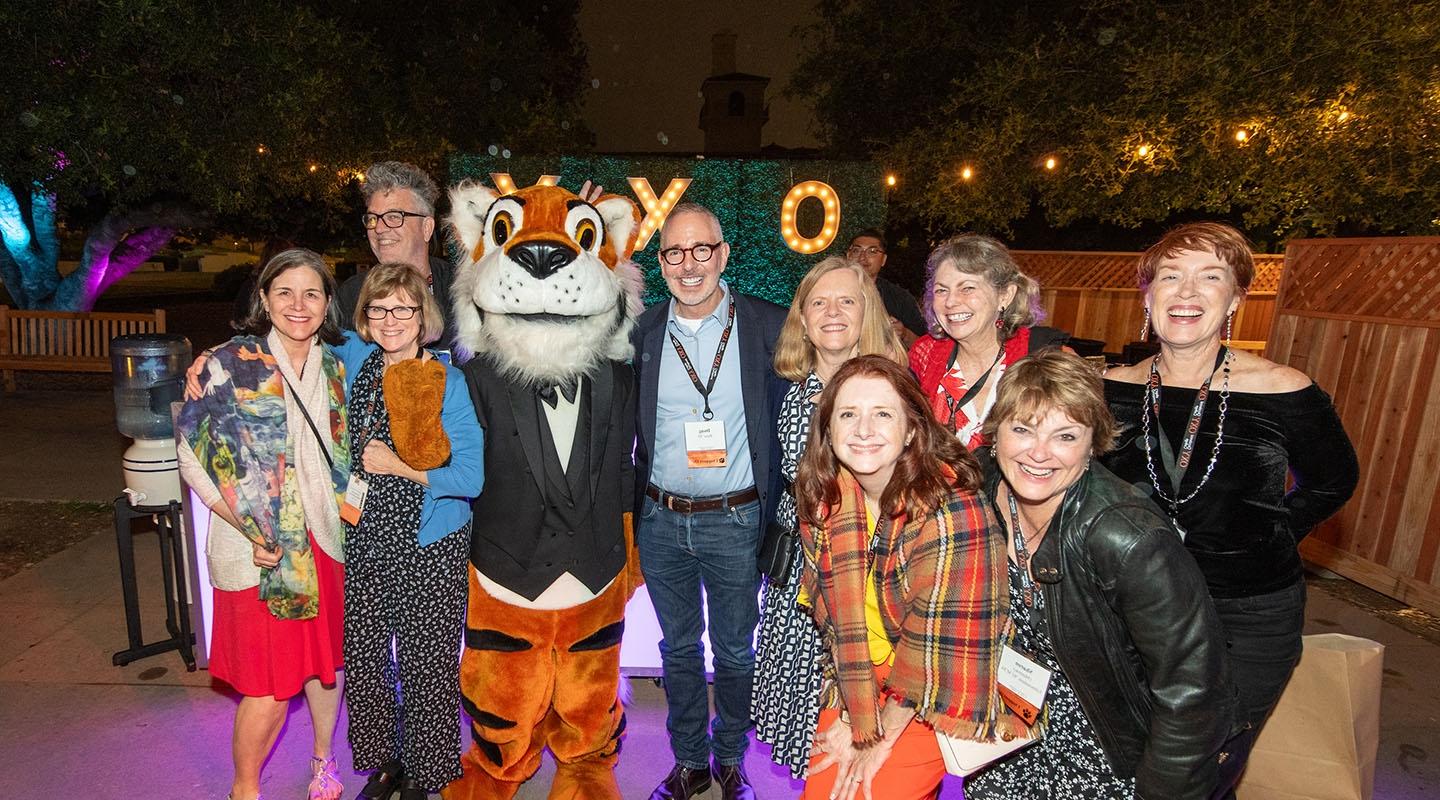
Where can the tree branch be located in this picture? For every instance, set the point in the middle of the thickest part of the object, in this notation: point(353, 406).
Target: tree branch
point(101, 265)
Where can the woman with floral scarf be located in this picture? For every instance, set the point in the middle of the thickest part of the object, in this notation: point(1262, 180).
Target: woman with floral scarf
point(905, 575)
point(266, 448)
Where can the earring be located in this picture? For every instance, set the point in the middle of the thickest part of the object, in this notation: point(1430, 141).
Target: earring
point(1000, 319)
point(1145, 326)
point(1229, 327)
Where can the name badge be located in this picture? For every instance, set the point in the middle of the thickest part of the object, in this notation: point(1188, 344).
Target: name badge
point(1023, 683)
point(354, 499)
point(705, 444)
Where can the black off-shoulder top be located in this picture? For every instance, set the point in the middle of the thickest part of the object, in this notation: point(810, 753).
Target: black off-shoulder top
point(1243, 527)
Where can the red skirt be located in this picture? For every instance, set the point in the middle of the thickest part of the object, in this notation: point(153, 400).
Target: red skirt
point(261, 656)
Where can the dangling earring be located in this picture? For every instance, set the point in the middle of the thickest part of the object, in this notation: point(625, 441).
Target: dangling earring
point(1145, 326)
point(1229, 327)
point(1000, 319)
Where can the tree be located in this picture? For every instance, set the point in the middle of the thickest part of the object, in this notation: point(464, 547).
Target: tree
point(1289, 118)
point(130, 118)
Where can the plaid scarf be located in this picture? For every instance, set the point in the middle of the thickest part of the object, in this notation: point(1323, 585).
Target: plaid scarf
point(943, 601)
point(238, 431)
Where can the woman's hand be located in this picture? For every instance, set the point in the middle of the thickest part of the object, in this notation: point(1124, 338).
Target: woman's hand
point(833, 743)
point(379, 459)
point(269, 559)
point(857, 777)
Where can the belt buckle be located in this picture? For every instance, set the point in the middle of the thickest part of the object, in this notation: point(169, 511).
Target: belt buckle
point(679, 505)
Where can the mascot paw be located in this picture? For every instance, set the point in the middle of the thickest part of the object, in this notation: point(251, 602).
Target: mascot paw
point(414, 393)
point(592, 779)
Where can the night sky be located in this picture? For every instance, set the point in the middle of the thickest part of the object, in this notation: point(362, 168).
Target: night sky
point(650, 57)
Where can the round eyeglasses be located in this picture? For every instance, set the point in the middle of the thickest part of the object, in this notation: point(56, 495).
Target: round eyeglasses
point(393, 219)
point(856, 251)
point(675, 256)
point(402, 313)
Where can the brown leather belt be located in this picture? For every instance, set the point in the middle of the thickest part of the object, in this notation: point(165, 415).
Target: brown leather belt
point(691, 505)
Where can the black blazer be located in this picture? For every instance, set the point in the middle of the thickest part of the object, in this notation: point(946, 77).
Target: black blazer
point(510, 511)
point(759, 323)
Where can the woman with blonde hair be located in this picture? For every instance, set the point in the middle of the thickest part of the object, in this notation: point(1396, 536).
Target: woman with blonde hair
point(836, 314)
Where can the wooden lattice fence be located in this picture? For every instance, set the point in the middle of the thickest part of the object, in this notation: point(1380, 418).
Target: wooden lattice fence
point(1360, 316)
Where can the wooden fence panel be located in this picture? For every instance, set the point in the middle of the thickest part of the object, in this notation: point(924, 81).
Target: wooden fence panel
point(1360, 317)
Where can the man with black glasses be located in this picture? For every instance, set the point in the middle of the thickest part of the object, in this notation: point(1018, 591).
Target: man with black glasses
point(707, 468)
point(868, 250)
point(399, 220)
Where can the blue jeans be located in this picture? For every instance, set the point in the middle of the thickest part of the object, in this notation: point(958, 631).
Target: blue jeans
point(678, 554)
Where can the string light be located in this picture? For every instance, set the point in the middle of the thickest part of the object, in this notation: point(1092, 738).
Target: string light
point(261, 149)
point(1242, 136)
point(966, 173)
point(1143, 150)
point(890, 179)
point(1051, 163)
point(314, 167)
point(1343, 115)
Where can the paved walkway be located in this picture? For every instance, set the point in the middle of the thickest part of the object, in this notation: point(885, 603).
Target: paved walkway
point(73, 725)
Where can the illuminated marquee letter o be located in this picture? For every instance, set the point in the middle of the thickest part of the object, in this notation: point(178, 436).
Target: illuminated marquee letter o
point(799, 193)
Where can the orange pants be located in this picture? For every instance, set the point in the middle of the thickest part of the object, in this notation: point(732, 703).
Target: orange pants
point(914, 770)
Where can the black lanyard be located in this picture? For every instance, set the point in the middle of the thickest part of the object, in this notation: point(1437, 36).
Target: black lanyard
point(1022, 555)
point(706, 388)
point(320, 440)
point(1177, 467)
point(970, 391)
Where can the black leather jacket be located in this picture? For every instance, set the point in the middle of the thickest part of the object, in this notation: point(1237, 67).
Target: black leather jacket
point(1136, 634)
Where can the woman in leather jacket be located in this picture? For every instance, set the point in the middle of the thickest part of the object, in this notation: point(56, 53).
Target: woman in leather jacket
point(1105, 596)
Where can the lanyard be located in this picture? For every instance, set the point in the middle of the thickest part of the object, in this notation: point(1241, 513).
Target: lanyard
point(320, 440)
point(706, 388)
point(1177, 467)
point(970, 391)
point(1022, 555)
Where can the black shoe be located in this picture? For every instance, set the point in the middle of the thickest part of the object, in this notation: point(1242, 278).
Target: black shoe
point(410, 791)
point(682, 783)
point(383, 782)
point(734, 783)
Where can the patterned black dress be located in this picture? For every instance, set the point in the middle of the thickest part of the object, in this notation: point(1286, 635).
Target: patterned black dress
point(785, 701)
point(403, 596)
point(1068, 763)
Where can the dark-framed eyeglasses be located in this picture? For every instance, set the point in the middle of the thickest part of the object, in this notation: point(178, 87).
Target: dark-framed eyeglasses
point(393, 219)
point(402, 313)
point(675, 256)
point(856, 251)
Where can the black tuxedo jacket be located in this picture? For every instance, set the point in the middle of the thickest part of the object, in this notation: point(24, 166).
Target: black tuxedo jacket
point(758, 322)
point(510, 513)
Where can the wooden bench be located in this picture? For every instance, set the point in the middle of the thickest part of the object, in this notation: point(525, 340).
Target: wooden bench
point(65, 341)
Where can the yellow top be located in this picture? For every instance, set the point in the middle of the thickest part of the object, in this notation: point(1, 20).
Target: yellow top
point(881, 651)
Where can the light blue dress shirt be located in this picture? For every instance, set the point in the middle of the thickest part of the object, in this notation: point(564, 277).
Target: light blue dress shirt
point(680, 402)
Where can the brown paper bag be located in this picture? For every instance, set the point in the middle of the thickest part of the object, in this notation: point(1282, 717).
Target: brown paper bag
point(1320, 742)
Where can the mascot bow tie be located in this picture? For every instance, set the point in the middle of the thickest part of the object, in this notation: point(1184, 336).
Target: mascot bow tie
point(547, 393)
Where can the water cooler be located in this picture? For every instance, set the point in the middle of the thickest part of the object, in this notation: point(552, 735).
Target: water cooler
point(149, 374)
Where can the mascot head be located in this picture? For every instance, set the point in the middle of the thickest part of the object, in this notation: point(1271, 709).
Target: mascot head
point(545, 285)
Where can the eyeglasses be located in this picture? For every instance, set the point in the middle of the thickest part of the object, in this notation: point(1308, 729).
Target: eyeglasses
point(402, 313)
point(675, 256)
point(856, 250)
point(393, 219)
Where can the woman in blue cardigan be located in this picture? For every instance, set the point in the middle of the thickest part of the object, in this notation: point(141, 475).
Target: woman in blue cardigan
point(420, 452)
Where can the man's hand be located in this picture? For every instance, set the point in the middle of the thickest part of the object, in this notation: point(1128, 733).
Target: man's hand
point(192, 375)
point(590, 193)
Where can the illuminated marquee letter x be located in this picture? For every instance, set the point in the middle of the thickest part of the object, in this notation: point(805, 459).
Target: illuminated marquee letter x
point(656, 208)
point(505, 185)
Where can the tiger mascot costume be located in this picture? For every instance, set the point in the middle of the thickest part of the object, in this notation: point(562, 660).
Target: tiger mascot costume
point(545, 297)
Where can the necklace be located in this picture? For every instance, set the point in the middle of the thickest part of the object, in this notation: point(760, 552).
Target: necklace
point(1022, 551)
point(1192, 430)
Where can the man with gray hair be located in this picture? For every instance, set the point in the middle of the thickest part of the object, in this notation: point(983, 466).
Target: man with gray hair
point(399, 220)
